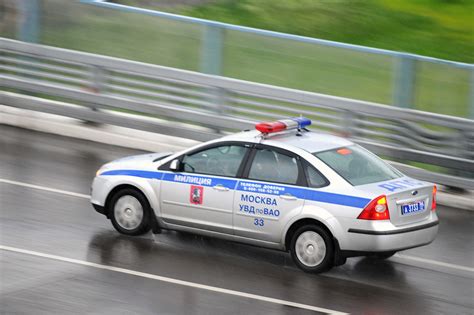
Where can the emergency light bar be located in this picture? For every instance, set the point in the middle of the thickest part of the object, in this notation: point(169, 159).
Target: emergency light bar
point(284, 124)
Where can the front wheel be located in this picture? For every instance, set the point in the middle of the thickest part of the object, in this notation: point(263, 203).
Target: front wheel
point(312, 249)
point(130, 212)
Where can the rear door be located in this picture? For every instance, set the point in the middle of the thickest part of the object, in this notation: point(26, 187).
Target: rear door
point(269, 195)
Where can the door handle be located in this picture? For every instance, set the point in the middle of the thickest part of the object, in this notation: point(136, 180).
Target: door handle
point(288, 197)
point(220, 188)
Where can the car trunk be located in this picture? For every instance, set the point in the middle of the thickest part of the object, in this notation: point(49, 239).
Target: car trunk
point(409, 200)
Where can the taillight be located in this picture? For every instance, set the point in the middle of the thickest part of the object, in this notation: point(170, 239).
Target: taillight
point(433, 202)
point(377, 209)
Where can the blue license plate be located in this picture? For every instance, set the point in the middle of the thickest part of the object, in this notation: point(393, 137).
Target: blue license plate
point(413, 207)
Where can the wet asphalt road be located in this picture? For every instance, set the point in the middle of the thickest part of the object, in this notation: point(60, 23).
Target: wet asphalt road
point(67, 226)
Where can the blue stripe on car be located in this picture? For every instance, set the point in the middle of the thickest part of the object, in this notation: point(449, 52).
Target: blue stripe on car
point(302, 193)
point(248, 186)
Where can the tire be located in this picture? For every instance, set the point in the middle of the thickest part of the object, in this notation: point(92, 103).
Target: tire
point(312, 249)
point(130, 212)
point(382, 255)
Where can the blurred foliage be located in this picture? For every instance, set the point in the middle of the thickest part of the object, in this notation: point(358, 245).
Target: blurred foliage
point(438, 28)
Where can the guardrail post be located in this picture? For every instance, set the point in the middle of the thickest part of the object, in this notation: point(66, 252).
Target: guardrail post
point(211, 61)
point(404, 81)
point(463, 148)
point(217, 99)
point(221, 100)
point(29, 22)
point(97, 77)
point(212, 49)
point(471, 94)
point(350, 124)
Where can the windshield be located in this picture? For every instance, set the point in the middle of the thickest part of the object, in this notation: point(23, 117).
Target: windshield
point(357, 165)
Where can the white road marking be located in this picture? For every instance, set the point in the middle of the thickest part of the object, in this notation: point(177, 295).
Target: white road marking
point(399, 258)
point(59, 191)
point(436, 265)
point(172, 280)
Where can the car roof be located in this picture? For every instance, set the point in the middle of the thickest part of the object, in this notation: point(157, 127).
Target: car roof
point(309, 141)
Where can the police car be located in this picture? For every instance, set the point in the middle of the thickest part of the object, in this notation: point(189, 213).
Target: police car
point(321, 197)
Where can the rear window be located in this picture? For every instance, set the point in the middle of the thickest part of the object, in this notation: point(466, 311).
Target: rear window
point(357, 165)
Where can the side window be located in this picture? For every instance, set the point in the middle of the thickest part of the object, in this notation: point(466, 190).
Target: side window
point(315, 179)
point(271, 166)
point(221, 161)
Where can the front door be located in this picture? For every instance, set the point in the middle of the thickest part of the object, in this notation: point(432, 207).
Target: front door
point(201, 195)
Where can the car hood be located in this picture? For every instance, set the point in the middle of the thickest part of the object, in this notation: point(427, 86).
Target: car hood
point(135, 161)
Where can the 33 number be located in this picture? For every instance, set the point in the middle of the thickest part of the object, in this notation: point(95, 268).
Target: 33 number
point(259, 222)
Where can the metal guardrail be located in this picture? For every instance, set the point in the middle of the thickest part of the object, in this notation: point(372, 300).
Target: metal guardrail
point(404, 74)
point(317, 65)
point(222, 105)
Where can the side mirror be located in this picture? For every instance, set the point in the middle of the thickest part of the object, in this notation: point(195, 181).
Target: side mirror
point(174, 166)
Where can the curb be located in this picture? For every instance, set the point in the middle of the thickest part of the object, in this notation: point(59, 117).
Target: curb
point(108, 134)
point(463, 201)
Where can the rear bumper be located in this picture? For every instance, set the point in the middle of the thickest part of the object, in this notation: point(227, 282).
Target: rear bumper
point(400, 231)
point(391, 240)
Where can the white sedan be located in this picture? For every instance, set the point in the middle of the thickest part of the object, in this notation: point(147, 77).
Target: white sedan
point(321, 197)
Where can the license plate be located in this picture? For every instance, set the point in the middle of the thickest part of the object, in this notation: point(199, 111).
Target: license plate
point(413, 207)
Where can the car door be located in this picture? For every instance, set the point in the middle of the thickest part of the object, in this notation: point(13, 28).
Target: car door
point(201, 193)
point(270, 194)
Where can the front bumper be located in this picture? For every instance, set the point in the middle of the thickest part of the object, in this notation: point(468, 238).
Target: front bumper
point(99, 190)
point(100, 209)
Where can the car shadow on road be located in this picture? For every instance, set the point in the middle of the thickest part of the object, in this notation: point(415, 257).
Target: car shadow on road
point(241, 267)
point(179, 248)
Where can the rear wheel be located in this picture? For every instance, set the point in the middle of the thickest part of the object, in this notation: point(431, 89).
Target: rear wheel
point(312, 249)
point(130, 212)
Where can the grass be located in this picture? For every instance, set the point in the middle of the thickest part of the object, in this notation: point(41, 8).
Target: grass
point(437, 28)
point(431, 27)
point(123, 35)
